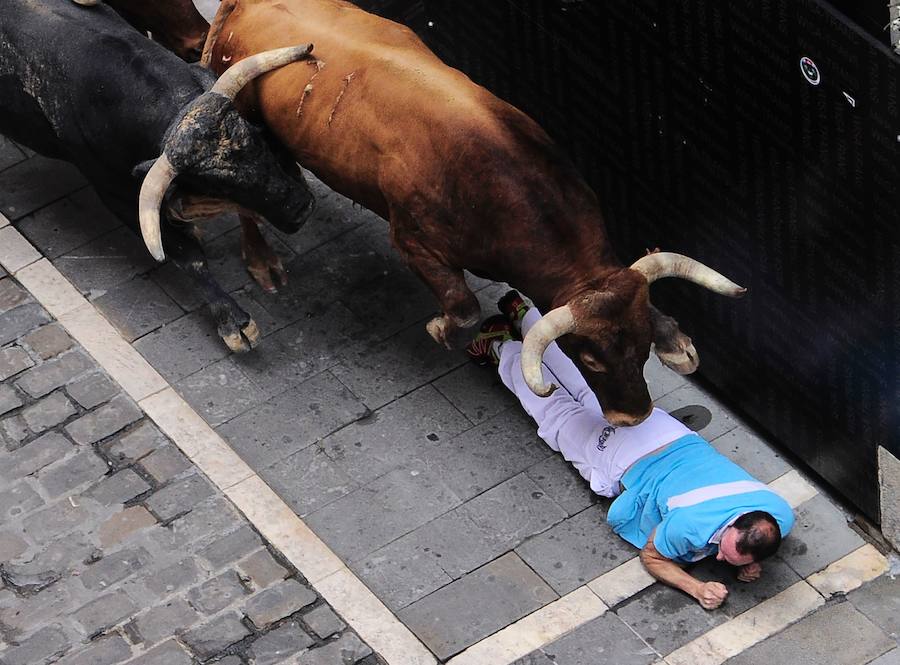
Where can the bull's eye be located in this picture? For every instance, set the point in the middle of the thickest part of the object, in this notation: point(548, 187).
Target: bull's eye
point(592, 362)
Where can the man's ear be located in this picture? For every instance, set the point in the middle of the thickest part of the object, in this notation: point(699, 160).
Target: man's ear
point(139, 172)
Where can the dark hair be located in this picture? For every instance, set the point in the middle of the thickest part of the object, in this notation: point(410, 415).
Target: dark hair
point(759, 536)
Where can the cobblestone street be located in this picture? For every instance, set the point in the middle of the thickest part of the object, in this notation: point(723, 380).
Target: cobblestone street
point(112, 543)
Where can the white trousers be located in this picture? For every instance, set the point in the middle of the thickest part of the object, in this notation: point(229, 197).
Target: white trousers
point(571, 420)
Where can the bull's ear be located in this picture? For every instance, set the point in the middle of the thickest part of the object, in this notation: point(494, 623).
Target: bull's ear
point(139, 172)
point(592, 362)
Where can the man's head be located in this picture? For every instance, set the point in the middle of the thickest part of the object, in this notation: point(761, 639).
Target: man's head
point(752, 537)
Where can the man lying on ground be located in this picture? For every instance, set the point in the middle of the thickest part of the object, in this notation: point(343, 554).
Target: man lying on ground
point(677, 498)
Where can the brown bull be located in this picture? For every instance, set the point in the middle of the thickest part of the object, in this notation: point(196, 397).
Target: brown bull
point(466, 181)
point(176, 24)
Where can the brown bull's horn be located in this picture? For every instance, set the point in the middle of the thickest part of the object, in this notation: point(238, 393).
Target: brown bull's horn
point(156, 182)
point(235, 78)
point(555, 323)
point(667, 264)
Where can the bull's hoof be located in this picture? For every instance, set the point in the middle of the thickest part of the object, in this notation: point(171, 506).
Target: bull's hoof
point(448, 334)
point(251, 334)
point(269, 274)
point(243, 340)
point(684, 362)
point(437, 328)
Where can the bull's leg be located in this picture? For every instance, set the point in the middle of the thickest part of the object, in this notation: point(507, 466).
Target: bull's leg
point(235, 326)
point(674, 349)
point(461, 313)
point(263, 264)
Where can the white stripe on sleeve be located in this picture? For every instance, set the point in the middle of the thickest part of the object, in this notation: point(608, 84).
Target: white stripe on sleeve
point(702, 494)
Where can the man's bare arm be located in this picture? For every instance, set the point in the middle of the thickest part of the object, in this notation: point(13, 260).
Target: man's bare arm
point(709, 594)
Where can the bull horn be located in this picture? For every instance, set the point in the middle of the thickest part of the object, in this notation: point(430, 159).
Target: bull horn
point(153, 189)
point(235, 78)
point(668, 264)
point(87, 3)
point(555, 323)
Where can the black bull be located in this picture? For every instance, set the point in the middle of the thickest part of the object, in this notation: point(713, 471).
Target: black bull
point(85, 87)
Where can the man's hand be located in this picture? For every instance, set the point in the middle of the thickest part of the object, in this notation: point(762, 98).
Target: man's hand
point(711, 594)
point(750, 572)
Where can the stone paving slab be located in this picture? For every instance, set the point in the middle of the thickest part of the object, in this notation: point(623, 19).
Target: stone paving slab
point(689, 394)
point(879, 601)
point(381, 511)
point(33, 183)
point(183, 347)
point(892, 657)
point(105, 262)
point(442, 550)
point(563, 484)
point(9, 153)
point(667, 619)
point(137, 307)
point(575, 551)
point(308, 480)
point(777, 576)
point(381, 371)
point(604, 640)
point(407, 569)
point(475, 606)
point(293, 420)
point(751, 452)
point(377, 301)
point(68, 224)
point(487, 454)
point(302, 349)
point(838, 635)
point(395, 434)
point(820, 536)
point(220, 392)
point(479, 395)
point(514, 511)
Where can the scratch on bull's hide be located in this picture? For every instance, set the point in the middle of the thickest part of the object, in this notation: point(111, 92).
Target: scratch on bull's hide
point(309, 87)
point(230, 35)
point(337, 101)
point(306, 91)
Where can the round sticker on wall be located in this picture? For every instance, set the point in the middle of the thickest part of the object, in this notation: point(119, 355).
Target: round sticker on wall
point(810, 71)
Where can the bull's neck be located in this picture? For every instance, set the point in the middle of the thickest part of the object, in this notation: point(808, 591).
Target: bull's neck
point(565, 276)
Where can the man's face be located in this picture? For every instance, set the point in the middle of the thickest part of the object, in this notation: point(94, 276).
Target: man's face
point(728, 549)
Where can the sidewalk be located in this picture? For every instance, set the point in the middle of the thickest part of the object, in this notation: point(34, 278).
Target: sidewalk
point(415, 470)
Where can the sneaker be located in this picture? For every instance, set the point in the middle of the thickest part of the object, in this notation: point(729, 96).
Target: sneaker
point(512, 306)
point(482, 349)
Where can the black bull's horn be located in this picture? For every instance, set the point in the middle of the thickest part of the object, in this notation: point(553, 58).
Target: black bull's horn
point(561, 321)
point(162, 173)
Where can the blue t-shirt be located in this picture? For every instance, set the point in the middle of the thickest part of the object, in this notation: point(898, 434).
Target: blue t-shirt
point(688, 492)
